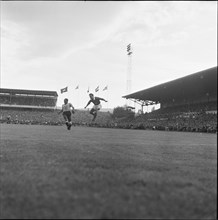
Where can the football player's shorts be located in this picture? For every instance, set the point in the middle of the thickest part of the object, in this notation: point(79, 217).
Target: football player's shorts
point(67, 115)
point(97, 107)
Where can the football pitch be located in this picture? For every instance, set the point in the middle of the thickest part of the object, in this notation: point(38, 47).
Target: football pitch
point(48, 172)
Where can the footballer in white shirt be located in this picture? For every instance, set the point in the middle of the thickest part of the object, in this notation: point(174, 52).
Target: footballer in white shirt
point(67, 110)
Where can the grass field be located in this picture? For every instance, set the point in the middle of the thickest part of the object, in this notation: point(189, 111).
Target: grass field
point(49, 172)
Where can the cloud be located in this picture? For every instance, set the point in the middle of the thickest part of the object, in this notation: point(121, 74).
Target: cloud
point(152, 23)
point(56, 29)
point(14, 37)
point(56, 35)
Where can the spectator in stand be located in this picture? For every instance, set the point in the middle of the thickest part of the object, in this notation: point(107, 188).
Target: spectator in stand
point(8, 119)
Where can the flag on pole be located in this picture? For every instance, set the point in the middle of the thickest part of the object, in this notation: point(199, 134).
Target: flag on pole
point(64, 90)
point(77, 87)
point(96, 90)
point(105, 88)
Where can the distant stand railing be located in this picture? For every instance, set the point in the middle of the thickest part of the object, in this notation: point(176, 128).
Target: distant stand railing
point(28, 106)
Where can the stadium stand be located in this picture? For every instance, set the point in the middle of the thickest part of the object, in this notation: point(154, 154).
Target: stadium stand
point(200, 88)
point(27, 98)
point(187, 104)
point(27, 106)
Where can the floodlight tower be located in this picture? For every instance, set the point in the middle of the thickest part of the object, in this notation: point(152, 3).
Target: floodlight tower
point(129, 71)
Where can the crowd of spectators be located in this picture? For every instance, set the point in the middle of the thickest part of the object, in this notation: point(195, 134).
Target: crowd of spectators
point(20, 116)
point(200, 117)
point(199, 120)
point(50, 117)
point(195, 122)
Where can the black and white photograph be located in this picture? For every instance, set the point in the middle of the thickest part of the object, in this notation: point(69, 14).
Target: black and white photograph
point(108, 109)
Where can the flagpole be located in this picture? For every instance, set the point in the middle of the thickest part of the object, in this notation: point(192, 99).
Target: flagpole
point(78, 97)
point(107, 98)
point(106, 95)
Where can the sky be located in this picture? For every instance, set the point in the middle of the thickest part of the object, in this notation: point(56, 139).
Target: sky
point(48, 45)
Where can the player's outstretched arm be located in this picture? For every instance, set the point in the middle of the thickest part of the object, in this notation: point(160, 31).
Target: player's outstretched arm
point(73, 110)
point(102, 99)
point(87, 104)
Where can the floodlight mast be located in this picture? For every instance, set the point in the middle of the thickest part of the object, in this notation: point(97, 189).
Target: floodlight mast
point(129, 72)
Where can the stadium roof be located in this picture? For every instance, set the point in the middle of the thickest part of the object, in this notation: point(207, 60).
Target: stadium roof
point(28, 92)
point(197, 86)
